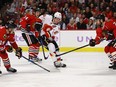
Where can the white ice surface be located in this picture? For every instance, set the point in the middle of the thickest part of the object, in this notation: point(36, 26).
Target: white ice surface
point(83, 70)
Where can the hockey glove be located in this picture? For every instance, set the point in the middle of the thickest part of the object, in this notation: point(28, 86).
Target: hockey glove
point(9, 48)
point(50, 38)
point(110, 36)
point(38, 26)
point(92, 42)
point(112, 43)
point(28, 27)
point(18, 52)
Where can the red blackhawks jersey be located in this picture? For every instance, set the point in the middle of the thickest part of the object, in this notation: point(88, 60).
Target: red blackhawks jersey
point(29, 20)
point(4, 38)
point(110, 26)
point(102, 32)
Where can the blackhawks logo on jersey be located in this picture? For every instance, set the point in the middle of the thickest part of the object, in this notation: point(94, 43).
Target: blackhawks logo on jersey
point(5, 36)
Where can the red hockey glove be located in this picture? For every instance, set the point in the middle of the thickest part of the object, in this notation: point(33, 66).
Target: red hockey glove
point(92, 42)
point(18, 52)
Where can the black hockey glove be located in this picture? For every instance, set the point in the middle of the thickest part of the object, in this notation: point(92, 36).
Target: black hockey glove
point(38, 26)
point(92, 42)
point(112, 43)
point(28, 27)
point(18, 52)
point(9, 48)
point(110, 36)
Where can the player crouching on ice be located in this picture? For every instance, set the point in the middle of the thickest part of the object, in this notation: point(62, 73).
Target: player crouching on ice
point(48, 33)
point(7, 35)
point(106, 30)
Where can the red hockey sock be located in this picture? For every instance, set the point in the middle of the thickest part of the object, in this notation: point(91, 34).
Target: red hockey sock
point(5, 59)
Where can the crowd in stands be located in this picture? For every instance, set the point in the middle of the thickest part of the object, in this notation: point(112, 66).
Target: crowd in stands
point(76, 14)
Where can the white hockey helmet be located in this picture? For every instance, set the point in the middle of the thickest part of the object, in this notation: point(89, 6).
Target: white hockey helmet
point(58, 15)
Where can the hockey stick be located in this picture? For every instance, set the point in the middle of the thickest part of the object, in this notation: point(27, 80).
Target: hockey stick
point(36, 64)
point(77, 48)
point(43, 49)
point(72, 50)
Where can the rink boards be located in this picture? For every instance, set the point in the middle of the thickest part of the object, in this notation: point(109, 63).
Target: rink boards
point(68, 40)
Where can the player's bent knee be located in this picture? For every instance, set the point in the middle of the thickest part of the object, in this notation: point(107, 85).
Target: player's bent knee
point(51, 47)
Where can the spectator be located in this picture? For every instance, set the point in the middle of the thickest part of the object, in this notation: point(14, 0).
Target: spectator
point(71, 25)
point(79, 13)
point(91, 25)
point(69, 15)
point(97, 11)
point(108, 13)
point(65, 8)
point(112, 6)
point(102, 6)
point(54, 7)
point(88, 13)
point(92, 7)
point(114, 16)
point(76, 17)
point(63, 23)
point(85, 19)
point(77, 3)
point(83, 6)
point(50, 11)
point(73, 8)
point(1, 20)
point(81, 25)
point(25, 4)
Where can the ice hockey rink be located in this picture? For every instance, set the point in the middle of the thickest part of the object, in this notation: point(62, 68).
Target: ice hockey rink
point(83, 70)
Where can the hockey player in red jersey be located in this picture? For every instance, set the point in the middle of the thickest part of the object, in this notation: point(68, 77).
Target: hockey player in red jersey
point(47, 38)
point(7, 35)
point(29, 23)
point(106, 30)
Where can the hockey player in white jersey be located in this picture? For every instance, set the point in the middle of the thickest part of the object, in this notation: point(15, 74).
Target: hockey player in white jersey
point(46, 18)
point(49, 30)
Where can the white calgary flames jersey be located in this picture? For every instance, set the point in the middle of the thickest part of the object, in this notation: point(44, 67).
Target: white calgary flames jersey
point(53, 29)
point(48, 26)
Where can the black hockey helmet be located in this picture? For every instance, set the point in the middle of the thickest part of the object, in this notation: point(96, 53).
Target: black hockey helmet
point(12, 25)
point(36, 9)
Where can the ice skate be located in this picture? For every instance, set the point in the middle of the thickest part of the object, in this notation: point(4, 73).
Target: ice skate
point(113, 66)
point(11, 70)
point(0, 72)
point(59, 64)
point(35, 59)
